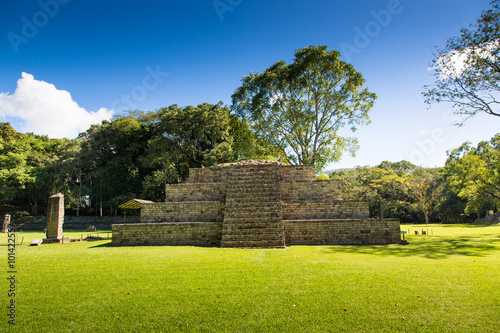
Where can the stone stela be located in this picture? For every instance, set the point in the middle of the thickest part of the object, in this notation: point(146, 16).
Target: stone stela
point(55, 220)
point(6, 223)
point(256, 204)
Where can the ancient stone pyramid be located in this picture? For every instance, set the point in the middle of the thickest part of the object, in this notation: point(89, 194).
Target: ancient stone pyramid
point(255, 204)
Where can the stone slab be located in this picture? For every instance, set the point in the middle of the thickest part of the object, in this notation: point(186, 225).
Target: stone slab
point(36, 242)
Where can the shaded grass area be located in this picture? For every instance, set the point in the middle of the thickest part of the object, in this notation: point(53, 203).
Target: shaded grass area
point(446, 281)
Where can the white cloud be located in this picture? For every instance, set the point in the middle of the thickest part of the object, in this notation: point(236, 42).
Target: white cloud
point(45, 110)
point(454, 63)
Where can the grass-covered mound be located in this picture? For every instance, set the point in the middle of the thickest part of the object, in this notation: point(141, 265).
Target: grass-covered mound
point(447, 280)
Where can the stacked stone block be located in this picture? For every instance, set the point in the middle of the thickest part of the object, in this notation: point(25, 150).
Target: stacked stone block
point(310, 190)
point(324, 209)
point(295, 173)
point(184, 233)
point(195, 192)
point(342, 232)
point(184, 211)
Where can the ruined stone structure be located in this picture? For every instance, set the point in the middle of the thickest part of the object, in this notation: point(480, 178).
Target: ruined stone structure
point(255, 205)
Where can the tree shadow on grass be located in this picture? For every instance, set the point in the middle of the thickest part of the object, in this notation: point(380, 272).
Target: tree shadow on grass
point(110, 244)
point(431, 248)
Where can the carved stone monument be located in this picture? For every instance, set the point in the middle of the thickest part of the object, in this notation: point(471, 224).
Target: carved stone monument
point(55, 219)
point(6, 223)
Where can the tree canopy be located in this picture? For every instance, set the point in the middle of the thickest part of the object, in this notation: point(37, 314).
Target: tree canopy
point(301, 107)
point(467, 69)
point(474, 172)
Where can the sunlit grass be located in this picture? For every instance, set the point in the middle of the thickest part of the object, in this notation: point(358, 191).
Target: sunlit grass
point(445, 281)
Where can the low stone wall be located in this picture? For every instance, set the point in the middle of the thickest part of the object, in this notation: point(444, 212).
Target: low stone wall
point(342, 232)
point(310, 190)
point(324, 209)
point(289, 173)
point(73, 222)
point(208, 175)
point(199, 211)
point(196, 192)
point(184, 233)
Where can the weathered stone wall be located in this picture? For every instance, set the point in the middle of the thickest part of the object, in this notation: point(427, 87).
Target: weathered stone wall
point(196, 192)
point(208, 175)
point(310, 190)
point(290, 173)
point(73, 222)
point(184, 233)
point(324, 209)
point(342, 232)
point(198, 211)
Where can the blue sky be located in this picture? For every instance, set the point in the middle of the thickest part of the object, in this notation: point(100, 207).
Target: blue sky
point(87, 60)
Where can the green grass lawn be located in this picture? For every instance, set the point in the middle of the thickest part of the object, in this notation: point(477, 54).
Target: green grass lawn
point(448, 281)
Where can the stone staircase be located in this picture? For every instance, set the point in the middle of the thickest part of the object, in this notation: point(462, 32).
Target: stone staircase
point(252, 214)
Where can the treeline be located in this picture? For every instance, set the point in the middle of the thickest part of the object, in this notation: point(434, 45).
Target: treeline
point(132, 156)
point(465, 189)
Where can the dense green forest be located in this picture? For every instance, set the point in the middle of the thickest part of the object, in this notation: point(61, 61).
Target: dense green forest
point(136, 154)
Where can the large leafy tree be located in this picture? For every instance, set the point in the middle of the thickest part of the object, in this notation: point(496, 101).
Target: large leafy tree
point(475, 172)
point(199, 133)
point(300, 107)
point(467, 69)
point(29, 171)
point(424, 187)
point(111, 155)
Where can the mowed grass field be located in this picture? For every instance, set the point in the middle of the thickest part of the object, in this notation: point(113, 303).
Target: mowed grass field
point(448, 281)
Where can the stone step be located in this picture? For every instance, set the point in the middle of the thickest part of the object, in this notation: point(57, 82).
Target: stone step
point(259, 168)
point(252, 214)
point(253, 219)
point(252, 183)
point(252, 205)
point(255, 184)
point(252, 193)
point(254, 244)
point(249, 178)
point(252, 225)
point(248, 175)
point(253, 231)
point(270, 237)
point(251, 190)
point(244, 197)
